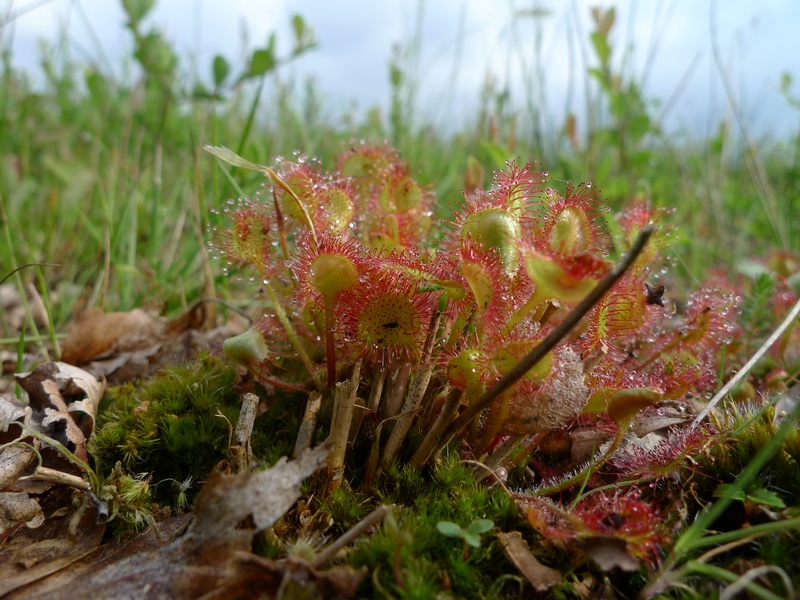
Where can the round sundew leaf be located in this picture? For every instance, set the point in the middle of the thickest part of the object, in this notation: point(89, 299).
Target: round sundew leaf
point(248, 348)
point(301, 186)
point(450, 529)
point(496, 228)
point(337, 210)
point(401, 196)
point(462, 370)
point(332, 274)
point(552, 282)
point(626, 404)
point(598, 401)
point(411, 196)
point(571, 233)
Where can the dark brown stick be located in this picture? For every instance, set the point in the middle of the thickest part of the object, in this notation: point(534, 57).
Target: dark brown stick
point(539, 352)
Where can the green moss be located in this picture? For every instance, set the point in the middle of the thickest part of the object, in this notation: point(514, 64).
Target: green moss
point(177, 425)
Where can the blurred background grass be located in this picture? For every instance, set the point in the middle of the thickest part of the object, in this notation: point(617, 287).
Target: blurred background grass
point(106, 176)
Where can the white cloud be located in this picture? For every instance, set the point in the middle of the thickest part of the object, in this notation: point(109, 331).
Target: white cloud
point(757, 42)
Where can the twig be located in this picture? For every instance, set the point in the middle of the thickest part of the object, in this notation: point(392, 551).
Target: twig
point(539, 352)
point(742, 373)
point(306, 432)
point(451, 404)
point(345, 399)
point(356, 530)
point(240, 450)
point(45, 474)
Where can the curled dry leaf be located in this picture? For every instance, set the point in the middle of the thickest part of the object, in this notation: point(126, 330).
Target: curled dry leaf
point(542, 578)
point(13, 462)
point(63, 400)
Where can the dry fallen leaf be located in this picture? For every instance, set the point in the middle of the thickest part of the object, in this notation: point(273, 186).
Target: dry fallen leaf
point(17, 509)
point(96, 334)
point(64, 401)
point(213, 559)
point(542, 578)
point(34, 554)
point(125, 346)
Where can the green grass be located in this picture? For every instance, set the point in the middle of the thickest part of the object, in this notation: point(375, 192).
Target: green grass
point(108, 179)
point(114, 172)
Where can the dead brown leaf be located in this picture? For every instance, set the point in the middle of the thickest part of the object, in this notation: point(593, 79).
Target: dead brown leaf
point(81, 555)
point(96, 334)
point(213, 559)
point(14, 459)
point(18, 509)
point(64, 401)
point(542, 578)
point(32, 555)
point(125, 346)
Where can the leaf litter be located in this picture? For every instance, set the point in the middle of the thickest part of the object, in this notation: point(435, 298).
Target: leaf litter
point(207, 553)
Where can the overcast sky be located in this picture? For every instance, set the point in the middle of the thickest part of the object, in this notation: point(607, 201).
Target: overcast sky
point(463, 43)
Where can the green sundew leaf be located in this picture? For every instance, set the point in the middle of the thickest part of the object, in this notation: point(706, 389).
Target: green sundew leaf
point(480, 526)
point(450, 529)
point(220, 68)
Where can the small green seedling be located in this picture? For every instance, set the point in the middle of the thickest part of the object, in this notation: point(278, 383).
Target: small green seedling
point(471, 536)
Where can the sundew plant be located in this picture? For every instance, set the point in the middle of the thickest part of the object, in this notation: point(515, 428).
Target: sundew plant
point(418, 331)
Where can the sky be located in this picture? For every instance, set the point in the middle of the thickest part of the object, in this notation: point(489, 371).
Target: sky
point(666, 44)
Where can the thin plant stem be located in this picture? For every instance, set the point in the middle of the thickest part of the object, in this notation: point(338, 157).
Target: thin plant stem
point(330, 344)
point(356, 530)
point(15, 272)
point(742, 373)
point(51, 328)
point(287, 325)
point(415, 395)
point(451, 404)
point(345, 398)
